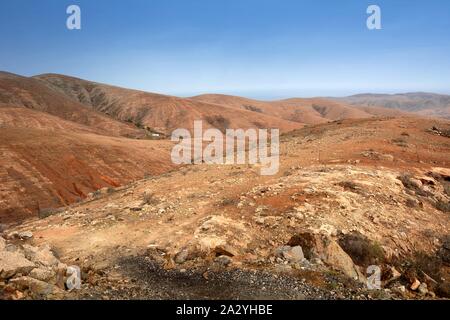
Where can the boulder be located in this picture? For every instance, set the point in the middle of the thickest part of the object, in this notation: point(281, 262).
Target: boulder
point(323, 247)
point(181, 256)
point(291, 254)
point(43, 274)
point(36, 286)
point(25, 235)
point(12, 263)
point(42, 256)
point(415, 285)
point(295, 254)
point(223, 260)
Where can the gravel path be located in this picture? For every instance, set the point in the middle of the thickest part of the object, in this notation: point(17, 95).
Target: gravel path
point(149, 281)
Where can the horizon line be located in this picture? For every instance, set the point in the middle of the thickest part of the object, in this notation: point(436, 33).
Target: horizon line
point(253, 94)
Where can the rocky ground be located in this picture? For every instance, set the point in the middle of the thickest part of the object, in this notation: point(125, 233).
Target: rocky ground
point(349, 195)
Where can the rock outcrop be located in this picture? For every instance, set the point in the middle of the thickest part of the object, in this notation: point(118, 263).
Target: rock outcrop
point(28, 271)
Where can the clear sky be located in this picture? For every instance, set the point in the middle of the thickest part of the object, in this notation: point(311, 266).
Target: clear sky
point(257, 48)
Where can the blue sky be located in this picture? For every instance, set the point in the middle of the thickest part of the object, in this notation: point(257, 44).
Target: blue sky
point(257, 48)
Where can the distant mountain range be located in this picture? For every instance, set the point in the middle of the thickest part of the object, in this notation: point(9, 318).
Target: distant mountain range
point(423, 103)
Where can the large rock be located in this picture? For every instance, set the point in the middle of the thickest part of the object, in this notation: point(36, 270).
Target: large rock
point(291, 254)
point(42, 256)
point(181, 256)
point(25, 235)
point(444, 252)
point(36, 286)
point(224, 260)
point(12, 263)
point(43, 274)
point(319, 246)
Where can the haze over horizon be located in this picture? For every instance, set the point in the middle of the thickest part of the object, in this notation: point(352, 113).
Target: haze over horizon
point(258, 49)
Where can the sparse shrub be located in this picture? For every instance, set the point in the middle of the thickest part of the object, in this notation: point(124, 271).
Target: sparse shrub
point(363, 251)
point(443, 289)
point(408, 183)
point(423, 266)
point(401, 142)
point(96, 193)
point(103, 191)
point(411, 203)
point(110, 190)
point(444, 180)
point(47, 212)
point(218, 122)
point(430, 264)
point(446, 186)
point(258, 124)
point(444, 252)
point(422, 263)
point(443, 206)
point(252, 108)
point(228, 202)
point(149, 198)
point(351, 186)
point(446, 133)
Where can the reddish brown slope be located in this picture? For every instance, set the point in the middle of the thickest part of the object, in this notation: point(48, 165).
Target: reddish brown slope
point(19, 117)
point(33, 94)
point(50, 168)
point(159, 112)
point(54, 151)
point(309, 111)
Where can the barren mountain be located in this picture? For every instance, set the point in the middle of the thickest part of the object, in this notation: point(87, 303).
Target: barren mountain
point(18, 91)
point(158, 112)
point(423, 103)
point(308, 111)
point(55, 151)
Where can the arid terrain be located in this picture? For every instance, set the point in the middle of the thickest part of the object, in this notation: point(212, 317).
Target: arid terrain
point(87, 181)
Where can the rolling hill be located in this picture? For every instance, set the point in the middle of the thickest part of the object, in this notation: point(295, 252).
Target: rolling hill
point(423, 103)
point(307, 111)
point(160, 113)
point(24, 92)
